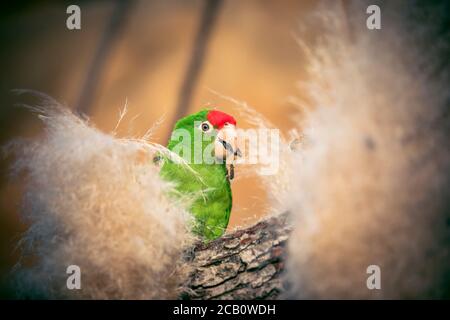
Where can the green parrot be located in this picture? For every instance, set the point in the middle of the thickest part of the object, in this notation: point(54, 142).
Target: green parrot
point(207, 141)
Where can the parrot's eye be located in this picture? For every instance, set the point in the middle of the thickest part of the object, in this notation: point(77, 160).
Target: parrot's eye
point(205, 126)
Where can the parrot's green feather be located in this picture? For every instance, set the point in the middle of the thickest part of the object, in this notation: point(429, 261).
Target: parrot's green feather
point(208, 183)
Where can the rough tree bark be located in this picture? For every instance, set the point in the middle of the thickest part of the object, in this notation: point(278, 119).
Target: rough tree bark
point(246, 264)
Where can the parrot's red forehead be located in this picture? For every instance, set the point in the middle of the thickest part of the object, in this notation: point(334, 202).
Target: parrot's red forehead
point(218, 118)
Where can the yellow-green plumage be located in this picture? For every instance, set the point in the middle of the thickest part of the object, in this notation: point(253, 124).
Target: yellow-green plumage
point(208, 183)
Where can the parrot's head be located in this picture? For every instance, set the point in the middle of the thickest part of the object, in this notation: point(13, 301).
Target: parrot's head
point(207, 135)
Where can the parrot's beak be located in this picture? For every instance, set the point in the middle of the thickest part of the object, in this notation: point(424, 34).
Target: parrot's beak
point(226, 144)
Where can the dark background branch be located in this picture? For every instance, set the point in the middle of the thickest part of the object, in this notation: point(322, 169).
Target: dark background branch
point(103, 51)
point(209, 16)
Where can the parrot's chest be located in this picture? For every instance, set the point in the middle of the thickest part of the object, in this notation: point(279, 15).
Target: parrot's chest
point(209, 190)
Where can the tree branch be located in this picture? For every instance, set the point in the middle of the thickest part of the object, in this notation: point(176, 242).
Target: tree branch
point(246, 264)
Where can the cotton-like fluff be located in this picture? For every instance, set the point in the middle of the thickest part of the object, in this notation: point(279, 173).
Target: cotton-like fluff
point(372, 176)
point(97, 202)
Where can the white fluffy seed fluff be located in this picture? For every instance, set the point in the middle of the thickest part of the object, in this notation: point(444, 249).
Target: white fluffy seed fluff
point(372, 176)
point(97, 202)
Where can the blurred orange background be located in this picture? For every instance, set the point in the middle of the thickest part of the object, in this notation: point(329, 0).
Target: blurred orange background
point(252, 56)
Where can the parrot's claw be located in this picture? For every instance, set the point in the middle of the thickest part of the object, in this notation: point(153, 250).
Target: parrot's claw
point(230, 173)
